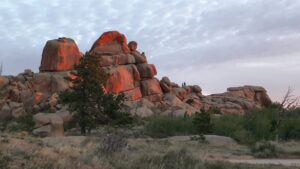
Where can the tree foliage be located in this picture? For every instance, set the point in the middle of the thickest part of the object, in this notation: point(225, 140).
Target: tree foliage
point(87, 97)
point(202, 121)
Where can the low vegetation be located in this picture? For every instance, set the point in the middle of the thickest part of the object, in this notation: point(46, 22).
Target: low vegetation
point(256, 125)
point(164, 126)
point(23, 123)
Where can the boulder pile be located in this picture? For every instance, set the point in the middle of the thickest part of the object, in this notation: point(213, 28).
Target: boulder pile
point(128, 72)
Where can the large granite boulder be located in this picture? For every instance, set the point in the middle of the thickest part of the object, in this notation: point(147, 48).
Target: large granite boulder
point(60, 55)
point(112, 42)
point(48, 125)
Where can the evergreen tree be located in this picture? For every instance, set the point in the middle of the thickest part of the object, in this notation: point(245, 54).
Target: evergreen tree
point(88, 99)
point(202, 121)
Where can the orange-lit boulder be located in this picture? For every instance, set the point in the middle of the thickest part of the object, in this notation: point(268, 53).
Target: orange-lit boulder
point(112, 42)
point(146, 70)
point(150, 87)
point(121, 78)
point(60, 55)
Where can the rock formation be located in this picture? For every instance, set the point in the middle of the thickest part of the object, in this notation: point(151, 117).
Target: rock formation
point(127, 69)
point(60, 55)
point(128, 72)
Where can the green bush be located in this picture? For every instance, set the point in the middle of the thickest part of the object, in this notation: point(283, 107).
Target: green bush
point(227, 125)
point(164, 126)
point(202, 122)
point(23, 123)
point(262, 123)
point(290, 129)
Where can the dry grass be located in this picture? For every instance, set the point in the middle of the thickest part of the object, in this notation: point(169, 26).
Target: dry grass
point(141, 153)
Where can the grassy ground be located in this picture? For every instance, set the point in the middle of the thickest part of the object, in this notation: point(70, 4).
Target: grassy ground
point(121, 151)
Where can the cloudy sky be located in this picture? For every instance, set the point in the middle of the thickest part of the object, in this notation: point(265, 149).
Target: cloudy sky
point(213, 43)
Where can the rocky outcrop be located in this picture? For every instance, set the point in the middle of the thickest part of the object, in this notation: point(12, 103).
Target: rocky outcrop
point(128, 72)
point(237, 100)
point(256, 94)
point(127, 69)
point(31, 92)
point(60, 55)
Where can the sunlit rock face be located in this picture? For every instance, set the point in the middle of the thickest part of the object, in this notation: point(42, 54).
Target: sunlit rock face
point(112, 42)
point(60, 55)
point(125, 66)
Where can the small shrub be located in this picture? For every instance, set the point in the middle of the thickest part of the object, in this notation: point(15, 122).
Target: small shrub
point(23, 123)
point(164, 126)
point(265, 150)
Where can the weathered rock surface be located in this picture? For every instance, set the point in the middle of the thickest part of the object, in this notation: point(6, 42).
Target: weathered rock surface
point(31, 92)
point(254, 93)
point(60, 55)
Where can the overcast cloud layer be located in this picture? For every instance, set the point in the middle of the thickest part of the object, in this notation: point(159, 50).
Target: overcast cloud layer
point(215, 43)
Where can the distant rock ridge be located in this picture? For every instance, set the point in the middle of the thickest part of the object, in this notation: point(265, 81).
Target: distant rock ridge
point(128, 72)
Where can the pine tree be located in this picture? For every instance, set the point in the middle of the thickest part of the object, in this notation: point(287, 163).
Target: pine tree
point(88, 99)
point(202, 121)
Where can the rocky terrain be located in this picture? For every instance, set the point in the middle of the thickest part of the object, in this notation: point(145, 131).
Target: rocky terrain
point(128, 72)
